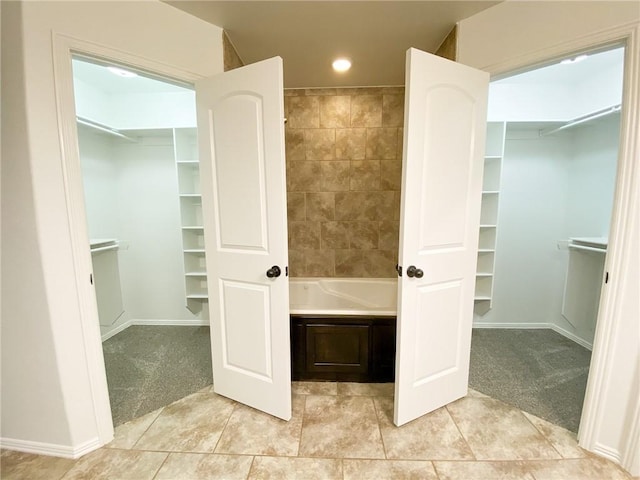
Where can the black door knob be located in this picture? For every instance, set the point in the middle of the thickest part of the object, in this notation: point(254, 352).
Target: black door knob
point(412, 271)
point(274, 272)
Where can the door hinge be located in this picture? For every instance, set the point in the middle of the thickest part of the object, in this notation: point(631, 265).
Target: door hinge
point(606, 277)
point(399, 270)
point(91, 278)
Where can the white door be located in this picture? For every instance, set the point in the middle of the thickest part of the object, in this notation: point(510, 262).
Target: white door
point(444, 134)
point(241, 140)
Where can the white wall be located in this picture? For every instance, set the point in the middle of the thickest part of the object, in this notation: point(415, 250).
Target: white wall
point(529, 268)
point(47, 397)
point(151, 264)
point(512, 35)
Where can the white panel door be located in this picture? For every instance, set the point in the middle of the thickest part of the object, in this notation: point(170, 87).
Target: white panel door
point(241, 140)
point(444, 134)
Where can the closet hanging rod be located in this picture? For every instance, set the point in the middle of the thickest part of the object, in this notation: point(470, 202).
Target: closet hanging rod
point(104, 128)
point(577, 121)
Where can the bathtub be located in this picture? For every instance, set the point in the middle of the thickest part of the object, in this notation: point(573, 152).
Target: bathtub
point(343, 296)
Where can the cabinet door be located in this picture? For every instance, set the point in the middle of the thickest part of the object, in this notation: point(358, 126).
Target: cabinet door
point(241, 140)
point(444, 132)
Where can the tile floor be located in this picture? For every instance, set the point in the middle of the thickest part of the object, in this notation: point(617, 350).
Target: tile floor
point(338, 431)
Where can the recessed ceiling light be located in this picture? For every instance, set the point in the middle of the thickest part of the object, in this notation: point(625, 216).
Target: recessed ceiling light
point(121, 72)
point(341, 65)
point(569, 61)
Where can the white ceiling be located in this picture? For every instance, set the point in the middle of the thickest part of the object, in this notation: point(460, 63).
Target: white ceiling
point(571, 74)
point(99, 77)
point(308, 35)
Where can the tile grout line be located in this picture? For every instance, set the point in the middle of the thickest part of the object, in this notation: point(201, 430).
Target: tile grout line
point(546, 439)
point(304, 408)
point(133, 447)
point(475, 458)
point(384, 447)
point(155, 475)
point(235, 404)
point(253, 461)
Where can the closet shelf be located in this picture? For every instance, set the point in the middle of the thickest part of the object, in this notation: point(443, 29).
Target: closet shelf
point(188, 162)
point(193, 250)
point(488, 226)
point(190, 195)
point(486, 250)
point(198, 296)
point(484, 274)
point(193, 227)
point(490, 192)
point(482, 299)
point(195, 274)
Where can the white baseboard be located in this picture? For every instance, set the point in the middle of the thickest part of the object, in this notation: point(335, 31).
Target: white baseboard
point(607, 452)
point(571, 336)
point(51, 449)
point(184, 323)
point(116, 330)
point(536, 326)
point(166, 322)
point(517, 326)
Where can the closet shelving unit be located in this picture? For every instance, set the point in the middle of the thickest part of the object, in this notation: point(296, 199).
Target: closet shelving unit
point(188, 173)
point(489, 215)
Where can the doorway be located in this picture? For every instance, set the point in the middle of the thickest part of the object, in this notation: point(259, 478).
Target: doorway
point(138, 155)
point(550, 188)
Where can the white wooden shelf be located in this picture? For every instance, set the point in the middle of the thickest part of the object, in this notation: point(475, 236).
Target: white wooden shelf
point(489, 214)
point(188, 171)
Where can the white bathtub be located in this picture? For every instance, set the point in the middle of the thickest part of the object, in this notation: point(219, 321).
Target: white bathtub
point(343, 296)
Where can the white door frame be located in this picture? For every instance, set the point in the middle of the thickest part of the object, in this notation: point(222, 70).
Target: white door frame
point(627, 183)
point(63, 49)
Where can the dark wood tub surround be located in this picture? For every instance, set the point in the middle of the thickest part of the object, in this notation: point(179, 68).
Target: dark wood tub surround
point(343, 348)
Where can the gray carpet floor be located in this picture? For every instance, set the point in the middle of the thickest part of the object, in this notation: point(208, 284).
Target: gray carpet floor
point(149, 367)
point(538, 371)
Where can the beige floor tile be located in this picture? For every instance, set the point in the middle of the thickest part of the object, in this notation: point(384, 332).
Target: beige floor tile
point(496, 431)
point(193, 424)
point(19, 466)
point(475, 393)
point(578, 469)
point(388, 470)
point(366, 389)
point(127, 434)
point(204, 466)
point(340, 427)
point(564, 441)
point(431, 437)
point(290, 468)
point(111, 464)
point(483, 471)
point(314, 388)
point(253, 432)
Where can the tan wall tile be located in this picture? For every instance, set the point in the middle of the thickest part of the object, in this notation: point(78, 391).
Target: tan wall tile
point(382, 143)
point(392, 110)
point(320, 144)
point(296, 263)
point(366, 111)
point(303, 177)
point(363, 235)
point(335, 111)
point(334, 235)
point(343, 180)
point(335, 176)
point(320, 206)
point(349, 263)
point(320, 263)
point(304, 235)
point(294, 144)
point(296, 210)
point(365, 175)
point(390, 175)
point(351, 143)
point(304, 112)
point(380, 263)
point(389, 235)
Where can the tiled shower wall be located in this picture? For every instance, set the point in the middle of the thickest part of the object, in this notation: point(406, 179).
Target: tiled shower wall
point(344, 162)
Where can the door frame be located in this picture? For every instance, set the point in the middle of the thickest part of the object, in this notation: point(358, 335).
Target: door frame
point(64, 47)
point(621, 225)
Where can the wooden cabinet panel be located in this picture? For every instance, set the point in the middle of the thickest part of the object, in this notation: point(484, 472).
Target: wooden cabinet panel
point(350, 349)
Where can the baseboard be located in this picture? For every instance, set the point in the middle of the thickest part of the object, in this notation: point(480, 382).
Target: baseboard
point(184, 323)
point(516, 326)
point(571, 336)
point(607, 452)
point(51, 449)
point(120, 328)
